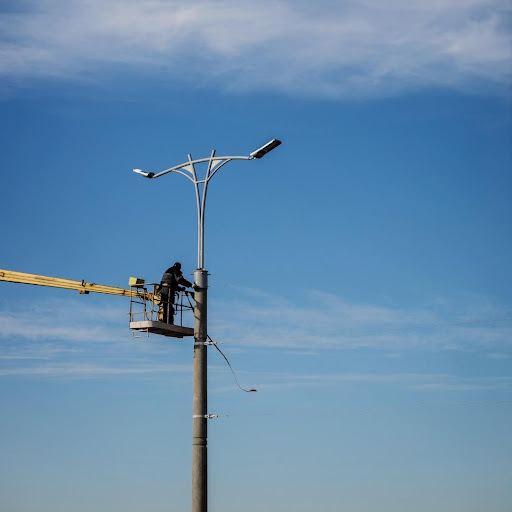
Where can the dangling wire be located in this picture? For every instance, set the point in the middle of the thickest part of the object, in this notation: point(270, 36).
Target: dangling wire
point(231, 368)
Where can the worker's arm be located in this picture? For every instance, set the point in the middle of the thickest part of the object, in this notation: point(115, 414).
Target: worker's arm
point(181, 280)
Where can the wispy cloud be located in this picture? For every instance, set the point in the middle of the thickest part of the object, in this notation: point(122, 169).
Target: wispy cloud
point(412, 381)
point(304, 324)
point(73, 339)
point(497, 355)
point(62, 320)
point(453, 383)
point(68, 337)
point(323, 48)
point(91, 371)
point(320, 320)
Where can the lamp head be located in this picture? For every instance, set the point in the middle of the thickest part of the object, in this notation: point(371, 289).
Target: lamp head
point(144, 173)
point(267, 148)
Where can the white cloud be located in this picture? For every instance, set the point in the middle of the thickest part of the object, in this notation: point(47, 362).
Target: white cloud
point(90, 370)
point(67, 320)
point(320, 48)
point(74, 338)
point(58, 337)
point(320, 320)
point(497, 355)
point(307, 324)
point(413, 381)
point(452, 383)
point(55, 340)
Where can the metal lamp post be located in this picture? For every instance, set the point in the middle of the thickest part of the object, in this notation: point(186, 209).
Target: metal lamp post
point(200, 402)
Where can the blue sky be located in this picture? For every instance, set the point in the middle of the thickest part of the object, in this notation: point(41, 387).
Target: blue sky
point(360, 273)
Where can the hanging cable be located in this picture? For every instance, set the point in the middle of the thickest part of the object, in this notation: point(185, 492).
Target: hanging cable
point(231, 368)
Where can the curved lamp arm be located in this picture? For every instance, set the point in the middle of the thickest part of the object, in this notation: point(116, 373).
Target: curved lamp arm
point(215, 163)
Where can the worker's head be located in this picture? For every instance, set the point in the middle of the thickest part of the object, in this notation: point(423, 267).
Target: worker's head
point(177, 265)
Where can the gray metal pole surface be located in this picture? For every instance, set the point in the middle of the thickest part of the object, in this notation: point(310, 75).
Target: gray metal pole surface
point(199, 400)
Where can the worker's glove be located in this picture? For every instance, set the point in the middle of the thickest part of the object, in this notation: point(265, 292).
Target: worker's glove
point(195, 287)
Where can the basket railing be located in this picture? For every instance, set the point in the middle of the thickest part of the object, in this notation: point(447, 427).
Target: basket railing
point(147, 304)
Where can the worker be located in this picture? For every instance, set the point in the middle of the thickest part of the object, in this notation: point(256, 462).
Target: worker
point(172, 282)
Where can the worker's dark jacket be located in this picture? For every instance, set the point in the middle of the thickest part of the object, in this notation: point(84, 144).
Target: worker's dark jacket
point(171, 281)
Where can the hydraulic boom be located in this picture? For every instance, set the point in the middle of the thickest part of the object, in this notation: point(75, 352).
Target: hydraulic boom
point(80, 286)
point(145, 307)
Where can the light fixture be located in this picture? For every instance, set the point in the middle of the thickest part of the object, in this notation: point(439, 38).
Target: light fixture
point(267, 148)
point(144, 173)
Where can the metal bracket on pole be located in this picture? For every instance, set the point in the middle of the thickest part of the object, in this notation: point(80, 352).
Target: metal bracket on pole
point(206, 416)
point(207, 342)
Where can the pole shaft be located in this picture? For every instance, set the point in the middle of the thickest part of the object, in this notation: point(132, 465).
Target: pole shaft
point(199, 401)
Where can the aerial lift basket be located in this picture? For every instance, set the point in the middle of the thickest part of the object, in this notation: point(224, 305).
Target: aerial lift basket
point(146, 311)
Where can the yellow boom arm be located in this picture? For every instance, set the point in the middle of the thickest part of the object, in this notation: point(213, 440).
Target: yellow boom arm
point(80, 286)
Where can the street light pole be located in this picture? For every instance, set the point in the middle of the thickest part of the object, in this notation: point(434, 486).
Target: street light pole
point(200, 390)
point(200, 398)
